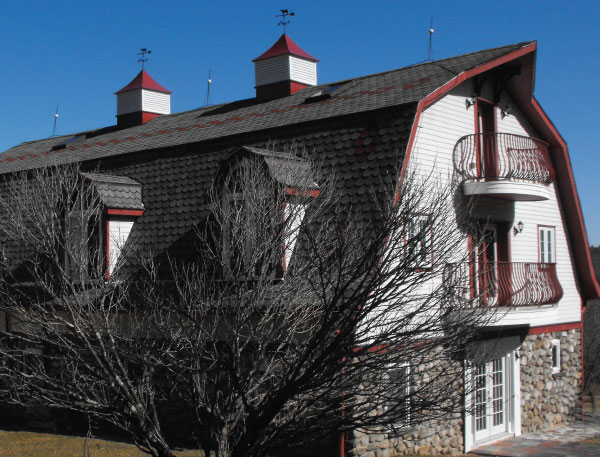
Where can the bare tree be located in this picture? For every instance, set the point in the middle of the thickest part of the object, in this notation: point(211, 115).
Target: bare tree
point(300, 315)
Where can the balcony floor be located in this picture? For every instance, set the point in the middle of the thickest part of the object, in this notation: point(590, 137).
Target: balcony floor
point(508, 190)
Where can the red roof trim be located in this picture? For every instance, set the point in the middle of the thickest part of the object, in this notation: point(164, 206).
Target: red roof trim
point(571, 207)
point(285, 46)
point(568, 192)
point(143, 81)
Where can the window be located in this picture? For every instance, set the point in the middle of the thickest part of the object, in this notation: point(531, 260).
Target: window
point(555, 356)
point(546, 242)
point(398, 404)
point(251, 223)
point(84, 233)
point(237, 235)
point(419, 241)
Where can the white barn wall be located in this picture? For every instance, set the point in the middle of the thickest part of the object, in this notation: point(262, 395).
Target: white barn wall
point(440, 127)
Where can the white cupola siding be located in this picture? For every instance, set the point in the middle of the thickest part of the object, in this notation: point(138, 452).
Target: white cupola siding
point(285, 68)
point(141, 100)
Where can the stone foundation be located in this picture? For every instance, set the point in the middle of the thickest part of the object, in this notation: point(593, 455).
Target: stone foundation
point(444, 435)
point(441, 437)
point(549, 399)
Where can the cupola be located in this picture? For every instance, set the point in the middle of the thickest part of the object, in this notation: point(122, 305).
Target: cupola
point(141, 100)
point(283, 70)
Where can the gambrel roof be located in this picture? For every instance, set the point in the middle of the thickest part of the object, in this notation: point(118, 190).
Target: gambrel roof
point(352, 96)
point(362, 126)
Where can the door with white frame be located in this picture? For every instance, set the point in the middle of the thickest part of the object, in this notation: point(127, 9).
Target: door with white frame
point(493, 402)
point(490, 399)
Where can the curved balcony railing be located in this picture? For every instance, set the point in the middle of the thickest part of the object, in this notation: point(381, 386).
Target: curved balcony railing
point(504, 283)
point(503, 156)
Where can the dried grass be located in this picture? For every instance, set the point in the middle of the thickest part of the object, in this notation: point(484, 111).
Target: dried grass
point(20, 444)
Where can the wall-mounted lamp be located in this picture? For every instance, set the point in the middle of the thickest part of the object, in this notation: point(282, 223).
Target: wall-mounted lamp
point(519, 227)
point(471, 100)
point(505, 111)
point(518, 353)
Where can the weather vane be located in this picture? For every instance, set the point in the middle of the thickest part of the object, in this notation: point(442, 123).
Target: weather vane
point(283, 15)
point(144, 53)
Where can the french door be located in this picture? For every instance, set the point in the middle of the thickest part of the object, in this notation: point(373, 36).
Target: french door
point(490, 412)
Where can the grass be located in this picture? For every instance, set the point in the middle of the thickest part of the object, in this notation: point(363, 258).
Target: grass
point(31, 444)
point(20, 444)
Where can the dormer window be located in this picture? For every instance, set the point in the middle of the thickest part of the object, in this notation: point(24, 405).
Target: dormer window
point(98, 224)
point(262, 202)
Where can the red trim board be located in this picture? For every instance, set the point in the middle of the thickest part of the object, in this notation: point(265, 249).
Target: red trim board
point(125, 212)
point(555, 328)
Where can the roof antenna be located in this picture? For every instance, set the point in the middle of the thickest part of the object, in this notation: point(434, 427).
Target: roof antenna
point(283, 15)
point(208, 83)
point(55, 120)
point(144, 53)
point(430, 48)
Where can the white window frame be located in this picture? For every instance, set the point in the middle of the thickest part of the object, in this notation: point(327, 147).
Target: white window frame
point(405, 367)
point(547, 244)
point(555, 351)
point(419, 237)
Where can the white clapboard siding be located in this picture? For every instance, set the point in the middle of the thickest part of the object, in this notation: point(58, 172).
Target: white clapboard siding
point(118, 232)
point(303, 71)
point(440, 127)
point(272, 70)
point(156, 102)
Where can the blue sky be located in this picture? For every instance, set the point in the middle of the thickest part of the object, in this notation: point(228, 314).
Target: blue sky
point(77, 54)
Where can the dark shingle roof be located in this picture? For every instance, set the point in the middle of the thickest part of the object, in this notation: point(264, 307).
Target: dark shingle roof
point(361, 131)
point(392, 88)
point(287, 169)
point(117, 192)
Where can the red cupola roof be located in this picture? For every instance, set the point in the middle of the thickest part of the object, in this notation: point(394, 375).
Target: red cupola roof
point(285, 46)
point(144, 81)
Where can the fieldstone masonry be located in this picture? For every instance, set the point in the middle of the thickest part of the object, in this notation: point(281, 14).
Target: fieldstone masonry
point(440, 437)
point(549, 399)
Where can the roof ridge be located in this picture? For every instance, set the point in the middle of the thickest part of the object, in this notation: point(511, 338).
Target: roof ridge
point(370, 75)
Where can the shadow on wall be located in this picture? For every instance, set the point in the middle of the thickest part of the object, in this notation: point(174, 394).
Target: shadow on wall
point(591, 335)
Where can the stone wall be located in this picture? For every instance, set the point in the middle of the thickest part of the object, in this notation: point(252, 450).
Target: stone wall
point(549, 399)
point(440, 379)
point(439, 437)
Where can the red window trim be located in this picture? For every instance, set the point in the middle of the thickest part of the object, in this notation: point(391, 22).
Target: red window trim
point(125, 212)
point(305, 193)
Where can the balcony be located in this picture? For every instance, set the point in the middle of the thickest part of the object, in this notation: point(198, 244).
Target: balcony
point(495, 284)
point(503, 165)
